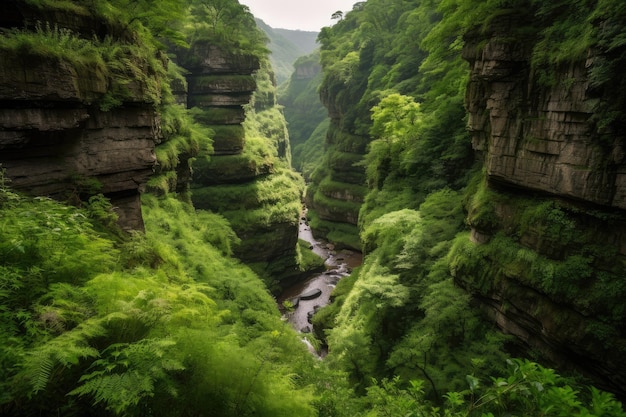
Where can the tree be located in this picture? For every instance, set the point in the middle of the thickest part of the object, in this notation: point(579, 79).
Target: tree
point(396, 117)
point(338, 15)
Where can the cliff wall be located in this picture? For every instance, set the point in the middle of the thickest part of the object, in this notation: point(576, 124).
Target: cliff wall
point(88, 113)
point(55, 138)
point(337, 187)
point(244, 174)
point(548, 221)
point(542, 138)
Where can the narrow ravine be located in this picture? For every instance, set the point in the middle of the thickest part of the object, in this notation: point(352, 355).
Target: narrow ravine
point(338, 265)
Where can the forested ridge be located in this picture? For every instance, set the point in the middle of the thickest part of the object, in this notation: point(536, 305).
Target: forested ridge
point(179, 319)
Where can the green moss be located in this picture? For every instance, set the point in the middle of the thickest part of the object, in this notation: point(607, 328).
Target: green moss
point(283, 187)
point(263, 217)
point(576, 278)
point(352, 192)
point(162, 184)
point(347, 142)
point(217, 115)
point(336, 208)
point(345, 166)
point(343, 235)
point(468, 264)
point(114, 65)
point(549, 221)
point(307, 259)
point(214, 83)
point(229, 139)
point(481, 205)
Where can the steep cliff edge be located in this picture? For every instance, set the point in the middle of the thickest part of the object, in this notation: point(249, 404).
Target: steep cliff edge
point(548, 242)
point(90, 104)
point(245, 173)
point(59, 135)
point(542, 137)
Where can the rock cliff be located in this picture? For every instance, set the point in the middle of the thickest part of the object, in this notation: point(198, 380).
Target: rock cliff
point(552, 232)
point(338, 184)
point(245, 173)
point(72, 125)
point(219, 85)
point(55, 138)
point(542, 138)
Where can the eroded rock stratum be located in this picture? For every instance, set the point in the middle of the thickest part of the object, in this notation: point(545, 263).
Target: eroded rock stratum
point(55, 139)
point(548, 223)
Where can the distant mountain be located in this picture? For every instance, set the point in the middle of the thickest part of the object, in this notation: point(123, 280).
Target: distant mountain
point(287, 46)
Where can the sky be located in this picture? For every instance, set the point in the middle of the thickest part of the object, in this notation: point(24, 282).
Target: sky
point(309, 15)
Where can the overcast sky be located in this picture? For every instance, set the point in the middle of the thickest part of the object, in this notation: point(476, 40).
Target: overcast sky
point(310, 15)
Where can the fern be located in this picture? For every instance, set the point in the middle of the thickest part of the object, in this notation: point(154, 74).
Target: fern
point(42, 371)
point(45, 362)
point(129, 373)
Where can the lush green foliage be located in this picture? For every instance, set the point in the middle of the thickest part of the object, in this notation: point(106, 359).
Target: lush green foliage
point(527, 389)
point(156, 324)
point(304, 112)
point(226, 23)
point(402, 316)
point(393, 75)
point(167, 323)
point(269, 200)
point(377, 61)
point(307, 156)
point(181, 139)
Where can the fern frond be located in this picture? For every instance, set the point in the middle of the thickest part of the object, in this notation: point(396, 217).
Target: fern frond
point(64, 351)
point(42, 372)
point(130, 372)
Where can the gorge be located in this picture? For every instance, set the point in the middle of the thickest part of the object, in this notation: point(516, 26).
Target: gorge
point(472, 151)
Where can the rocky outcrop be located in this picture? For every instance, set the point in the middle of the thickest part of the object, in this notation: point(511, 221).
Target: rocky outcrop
point(536, 136)
point(540, 141)
point(342, 165)
point(241, 181)
point(54, 138)
point(306, 70)
point(220, 83)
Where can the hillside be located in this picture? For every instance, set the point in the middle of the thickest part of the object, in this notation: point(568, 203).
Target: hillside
point(286, 46)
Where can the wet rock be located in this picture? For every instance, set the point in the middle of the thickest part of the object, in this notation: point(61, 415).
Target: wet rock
point(309, 295)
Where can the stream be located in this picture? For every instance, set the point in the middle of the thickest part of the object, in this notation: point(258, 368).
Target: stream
point(338, 265)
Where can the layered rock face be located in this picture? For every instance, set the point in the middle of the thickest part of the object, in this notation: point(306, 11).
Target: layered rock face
point(541, 138)
point(55, 141)
point(540, 143)
point(220, 83)
point(234, 177)
point(339, 185)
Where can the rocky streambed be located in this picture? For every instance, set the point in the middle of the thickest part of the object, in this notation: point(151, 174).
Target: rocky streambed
point(314, 292)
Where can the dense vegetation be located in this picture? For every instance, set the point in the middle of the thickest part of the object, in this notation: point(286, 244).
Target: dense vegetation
point(394, 85)
point(97, 322)
point(307, 118)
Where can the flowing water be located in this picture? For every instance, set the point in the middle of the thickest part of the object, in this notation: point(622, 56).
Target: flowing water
point(338, 265)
